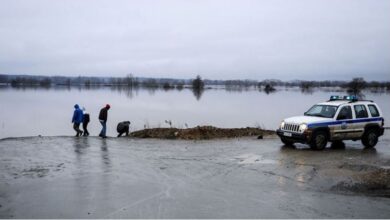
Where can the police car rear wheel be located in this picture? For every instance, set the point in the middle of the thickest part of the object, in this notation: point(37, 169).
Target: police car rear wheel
point(319, 141)
point(370, 138)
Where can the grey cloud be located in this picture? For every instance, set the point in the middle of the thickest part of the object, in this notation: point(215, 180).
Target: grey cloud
point(303, 39)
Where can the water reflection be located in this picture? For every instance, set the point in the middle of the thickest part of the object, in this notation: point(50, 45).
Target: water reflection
point(337, 149)
point(93, 178)
point(106, 176)
point(239, 89)
point(128, 91)
point(80, 145)
point(269, 89)
point(297, 166)
point(307, 91)
point(197, 92)
point(358, 94)
point(105, 156)
point(131, 92)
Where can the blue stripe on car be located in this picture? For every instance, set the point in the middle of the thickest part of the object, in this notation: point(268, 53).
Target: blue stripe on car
point(322, 124)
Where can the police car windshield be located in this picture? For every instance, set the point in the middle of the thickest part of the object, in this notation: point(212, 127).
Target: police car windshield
point(325, 111)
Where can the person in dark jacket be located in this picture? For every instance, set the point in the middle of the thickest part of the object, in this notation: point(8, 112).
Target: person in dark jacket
point(77, 120)
point(123, 127)
point(85, 122)
point(103, 120)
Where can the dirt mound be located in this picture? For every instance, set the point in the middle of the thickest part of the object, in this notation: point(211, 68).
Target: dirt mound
point(200, 133)
point(369, 180)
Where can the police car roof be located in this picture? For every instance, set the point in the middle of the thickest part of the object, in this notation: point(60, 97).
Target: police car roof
point(340, 102)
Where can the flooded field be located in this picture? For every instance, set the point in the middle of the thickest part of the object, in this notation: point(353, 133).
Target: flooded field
point(48, 112)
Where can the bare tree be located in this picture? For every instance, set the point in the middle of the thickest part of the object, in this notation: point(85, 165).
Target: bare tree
point(197, 87)
point(356, 85)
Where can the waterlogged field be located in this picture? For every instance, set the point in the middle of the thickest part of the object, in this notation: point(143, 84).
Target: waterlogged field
point(48, 112)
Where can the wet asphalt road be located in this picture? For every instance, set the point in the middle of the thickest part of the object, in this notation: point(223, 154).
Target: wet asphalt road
point(67, 177)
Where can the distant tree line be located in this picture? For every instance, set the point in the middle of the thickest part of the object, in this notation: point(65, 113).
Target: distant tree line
point(27, 81)
point(130, 81)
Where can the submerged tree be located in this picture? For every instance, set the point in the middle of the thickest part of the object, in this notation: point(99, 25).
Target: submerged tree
point(180, 86)
point(167, 86)
point(197, 87)
point(269, 88)
point(198, 83)
point(131, 81)
point(356, 86)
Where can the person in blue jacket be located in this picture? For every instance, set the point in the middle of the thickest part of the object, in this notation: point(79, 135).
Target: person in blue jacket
point(77, 120)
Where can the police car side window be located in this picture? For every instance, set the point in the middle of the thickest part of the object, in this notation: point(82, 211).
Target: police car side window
point(360, 111)
point(345, 113)
point(373, 110)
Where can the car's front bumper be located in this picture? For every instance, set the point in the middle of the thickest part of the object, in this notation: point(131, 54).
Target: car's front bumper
point(295, 137)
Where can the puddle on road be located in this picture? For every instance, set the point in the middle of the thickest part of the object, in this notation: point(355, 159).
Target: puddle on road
point(253, 159)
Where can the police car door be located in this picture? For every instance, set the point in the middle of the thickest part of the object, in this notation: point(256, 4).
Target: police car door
point(343, 128)
point(361, 114)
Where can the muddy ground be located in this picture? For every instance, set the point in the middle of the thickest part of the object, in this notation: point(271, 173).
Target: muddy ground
point(68, 177)
point(201, 133)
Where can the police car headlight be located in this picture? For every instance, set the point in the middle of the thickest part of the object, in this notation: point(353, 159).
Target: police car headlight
point(282, 125)
point(302, 127)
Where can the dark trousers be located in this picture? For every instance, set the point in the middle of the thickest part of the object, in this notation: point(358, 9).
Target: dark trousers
point(103, 131)
point(76, 127)
point(85, 125)
point(124, 131)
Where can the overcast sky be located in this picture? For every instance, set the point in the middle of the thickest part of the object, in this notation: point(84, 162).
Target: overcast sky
point(289, 39)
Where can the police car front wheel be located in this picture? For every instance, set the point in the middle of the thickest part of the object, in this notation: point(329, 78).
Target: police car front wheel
point(370, 138)
point(319, 140)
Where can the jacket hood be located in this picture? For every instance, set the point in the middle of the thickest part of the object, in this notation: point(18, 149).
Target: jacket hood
point(76, 106)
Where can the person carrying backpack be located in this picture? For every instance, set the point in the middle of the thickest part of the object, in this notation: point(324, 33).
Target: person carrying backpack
point(77, 119)
point(85, 122)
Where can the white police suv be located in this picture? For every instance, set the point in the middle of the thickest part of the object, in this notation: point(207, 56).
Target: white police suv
point(340, 118)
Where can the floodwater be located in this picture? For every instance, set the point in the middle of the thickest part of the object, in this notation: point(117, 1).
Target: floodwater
point(48, 112)
point(89, 177)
